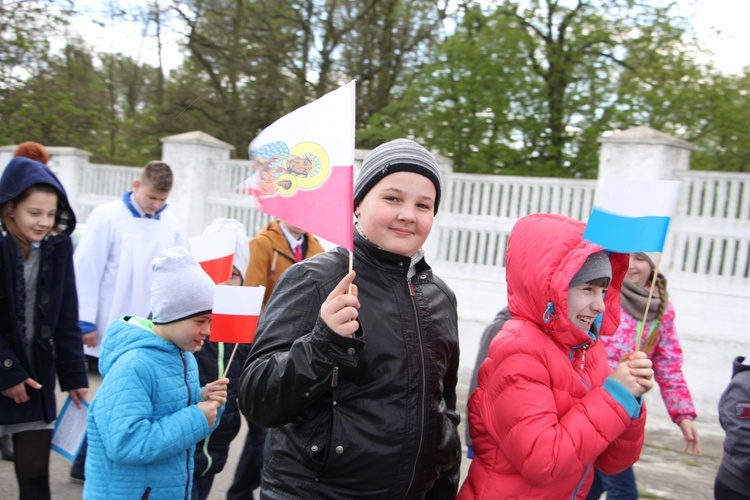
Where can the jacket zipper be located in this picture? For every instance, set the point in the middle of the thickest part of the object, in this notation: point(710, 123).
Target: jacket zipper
point(580, 483)
point(335, 376)
point(583, 355)
point(190, 397)
point(424, 403)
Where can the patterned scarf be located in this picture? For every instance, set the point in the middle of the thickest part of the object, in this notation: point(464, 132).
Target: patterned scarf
point(633, 299)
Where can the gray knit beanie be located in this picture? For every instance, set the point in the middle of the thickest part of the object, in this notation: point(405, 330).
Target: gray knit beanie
point(597, 265)
point(651, 257)
point(399, 155)
point(180, 288)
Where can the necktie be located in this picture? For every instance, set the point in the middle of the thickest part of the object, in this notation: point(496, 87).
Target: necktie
point(298, 252)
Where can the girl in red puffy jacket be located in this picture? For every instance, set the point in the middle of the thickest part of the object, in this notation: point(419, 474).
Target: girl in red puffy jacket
point(548, 408)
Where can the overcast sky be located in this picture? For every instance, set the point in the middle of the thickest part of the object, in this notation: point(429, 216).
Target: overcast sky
point(722, 26)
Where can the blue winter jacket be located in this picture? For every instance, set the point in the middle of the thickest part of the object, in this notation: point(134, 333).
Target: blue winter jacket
point(143, 423)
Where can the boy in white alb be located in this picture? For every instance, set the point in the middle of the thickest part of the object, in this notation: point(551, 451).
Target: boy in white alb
point(113, 257)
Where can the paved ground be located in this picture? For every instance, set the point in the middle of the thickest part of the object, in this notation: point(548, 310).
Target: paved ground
point(663, 471)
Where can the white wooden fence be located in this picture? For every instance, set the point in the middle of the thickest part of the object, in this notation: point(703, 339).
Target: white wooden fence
point(706, 258)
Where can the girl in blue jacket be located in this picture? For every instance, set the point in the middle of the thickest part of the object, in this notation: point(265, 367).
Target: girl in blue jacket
point(39, 335)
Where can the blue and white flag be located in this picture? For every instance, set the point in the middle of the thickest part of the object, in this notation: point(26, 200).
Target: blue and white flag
point(631, 215)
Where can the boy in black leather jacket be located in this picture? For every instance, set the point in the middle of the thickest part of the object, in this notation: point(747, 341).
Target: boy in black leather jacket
point(355, 371)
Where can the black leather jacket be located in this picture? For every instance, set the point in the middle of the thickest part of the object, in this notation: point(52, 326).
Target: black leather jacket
point(369, 417)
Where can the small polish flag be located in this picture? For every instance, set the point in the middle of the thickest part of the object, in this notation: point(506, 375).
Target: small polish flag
point(235, 314)
point(215, 253)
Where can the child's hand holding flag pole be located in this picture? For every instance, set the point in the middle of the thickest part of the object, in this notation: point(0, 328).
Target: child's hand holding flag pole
point(633, 216)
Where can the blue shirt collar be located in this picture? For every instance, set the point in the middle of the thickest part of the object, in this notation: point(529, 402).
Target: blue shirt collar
point(129, 199)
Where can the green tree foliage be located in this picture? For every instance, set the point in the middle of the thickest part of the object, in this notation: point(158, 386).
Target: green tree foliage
point(522, 87)
point(724, 139)
point(58, 104)
point(25, 29)
point(232, 83)
point(528, 87)
point(385, 48)
point(252, 61)
point(103, 106)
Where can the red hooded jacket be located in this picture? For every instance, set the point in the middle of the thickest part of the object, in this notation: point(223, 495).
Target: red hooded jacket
point(540, 419)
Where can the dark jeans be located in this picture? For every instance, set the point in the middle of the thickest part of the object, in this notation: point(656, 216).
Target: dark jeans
point(78, 468)
point(723, 492)
point(32, 449)
point(202, 487)
point(248, 472)
point(618, 486)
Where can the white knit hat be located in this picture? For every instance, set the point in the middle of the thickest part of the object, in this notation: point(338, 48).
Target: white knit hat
point(180, 289)
point(242, 248)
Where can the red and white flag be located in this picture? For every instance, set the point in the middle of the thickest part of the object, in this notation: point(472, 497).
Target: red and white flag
point(235, 314)
point(303, 167)
point(215, 253)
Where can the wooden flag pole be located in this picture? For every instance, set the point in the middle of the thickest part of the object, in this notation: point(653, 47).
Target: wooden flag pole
point(229, 363)
point(351, 266)
point(648, 304)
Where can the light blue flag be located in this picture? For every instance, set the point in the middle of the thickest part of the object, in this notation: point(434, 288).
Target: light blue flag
point(632, 215)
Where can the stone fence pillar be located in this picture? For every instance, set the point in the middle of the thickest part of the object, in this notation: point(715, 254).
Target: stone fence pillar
point(189, 155)
point(643, 153)
point(67, 164)
point(6, 154)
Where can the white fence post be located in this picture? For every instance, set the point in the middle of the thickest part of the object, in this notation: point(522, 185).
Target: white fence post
point(643, 153)
point(6, 154)
point(190, 155)
point(68, 164)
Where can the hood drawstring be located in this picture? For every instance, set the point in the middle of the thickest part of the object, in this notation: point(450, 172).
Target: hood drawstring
point(549, 313)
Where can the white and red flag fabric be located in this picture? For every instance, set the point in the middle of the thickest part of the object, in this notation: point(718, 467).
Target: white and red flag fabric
point(303, 167)
point(235, 314)
point(215, 253)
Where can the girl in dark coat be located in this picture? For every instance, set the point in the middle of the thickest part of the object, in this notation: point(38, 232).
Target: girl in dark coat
point(39, 339)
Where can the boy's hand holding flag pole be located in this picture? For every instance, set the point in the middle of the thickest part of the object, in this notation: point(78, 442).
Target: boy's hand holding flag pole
point(304, 164)
point(633, 216)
